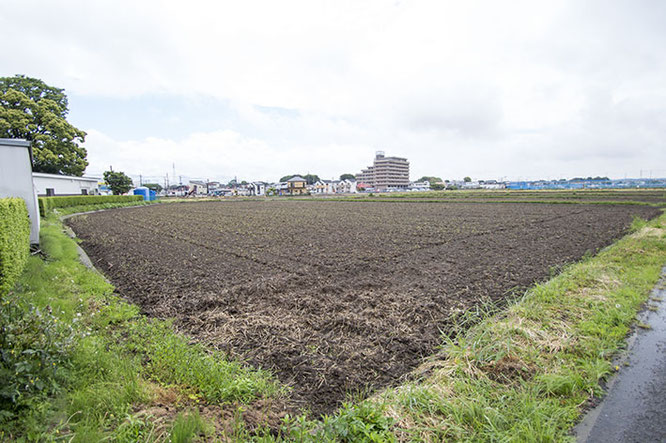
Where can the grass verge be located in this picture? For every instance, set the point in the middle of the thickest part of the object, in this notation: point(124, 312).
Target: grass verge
point(80, 364)
point(98, 207)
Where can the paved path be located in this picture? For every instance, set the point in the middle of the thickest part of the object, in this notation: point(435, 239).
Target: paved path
point(635, 408)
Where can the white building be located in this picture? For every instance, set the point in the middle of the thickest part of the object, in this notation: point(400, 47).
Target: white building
point(420, 186)
point(258, 188)
point(53, 184)
point(16, 179)
point(334, 187)
point(345, 187)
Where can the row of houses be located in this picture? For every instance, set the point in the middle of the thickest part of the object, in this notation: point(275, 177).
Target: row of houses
point(294, 186)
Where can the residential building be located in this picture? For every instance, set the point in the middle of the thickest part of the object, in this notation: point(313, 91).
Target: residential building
point(420, 186)
point(177, 190)
point(258, 188)
point(345, 187)
point(323, 187)
point(198, 187)
point(334, 187)
point(386, 173)
point(296, 186)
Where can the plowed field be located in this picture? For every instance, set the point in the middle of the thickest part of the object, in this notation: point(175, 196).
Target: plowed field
point(335, 296)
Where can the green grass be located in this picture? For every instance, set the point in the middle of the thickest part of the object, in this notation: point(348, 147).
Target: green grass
point(116, 361)
point(98, 207)
point(189, 426)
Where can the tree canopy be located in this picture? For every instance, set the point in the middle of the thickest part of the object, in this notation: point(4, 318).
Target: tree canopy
point(347, 177)
point(467, 179)
point(153, 186)
point(430, 179)
point(118, 182)
point(309, 178)
point(32, 110)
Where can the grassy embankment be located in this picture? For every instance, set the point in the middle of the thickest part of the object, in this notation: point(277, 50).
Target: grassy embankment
point(519, 375)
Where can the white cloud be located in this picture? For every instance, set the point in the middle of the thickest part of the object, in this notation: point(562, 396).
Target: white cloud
point(219, 155)
point(526, 88)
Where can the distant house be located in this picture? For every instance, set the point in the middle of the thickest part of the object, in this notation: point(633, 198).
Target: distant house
point(334, 187)
point(177, 190)
point(420, 186)
point(345, 187)
point(296, 186)
point(281, 188)
point(197, 187)
point(258, 188)
point(322, 187)
point(53, 184)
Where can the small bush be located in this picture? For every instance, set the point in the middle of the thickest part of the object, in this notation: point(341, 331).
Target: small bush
point(47, 204)
point(14, 241)
point(34, 349)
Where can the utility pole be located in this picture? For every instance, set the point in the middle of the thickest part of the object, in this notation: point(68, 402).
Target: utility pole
point(140, 180)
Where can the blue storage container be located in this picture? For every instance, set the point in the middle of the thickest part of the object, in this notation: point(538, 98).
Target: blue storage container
point(144, 192)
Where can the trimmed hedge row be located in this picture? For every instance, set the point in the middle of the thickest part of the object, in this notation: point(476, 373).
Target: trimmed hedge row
point(14, 241)
point(47, 204)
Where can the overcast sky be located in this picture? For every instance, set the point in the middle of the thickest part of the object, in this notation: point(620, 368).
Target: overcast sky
point(261, 89)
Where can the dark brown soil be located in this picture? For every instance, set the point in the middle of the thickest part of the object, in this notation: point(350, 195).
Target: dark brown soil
point(335, 297)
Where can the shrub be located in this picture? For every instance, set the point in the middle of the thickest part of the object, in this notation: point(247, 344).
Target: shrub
point(34, 350)
point(47, 204)
point(14, 241)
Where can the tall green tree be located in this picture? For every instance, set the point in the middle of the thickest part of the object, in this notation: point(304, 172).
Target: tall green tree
point(347, 177)
point(118, 182)
point(32, 110)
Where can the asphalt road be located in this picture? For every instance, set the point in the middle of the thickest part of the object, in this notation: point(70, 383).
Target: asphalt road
point(634, 410)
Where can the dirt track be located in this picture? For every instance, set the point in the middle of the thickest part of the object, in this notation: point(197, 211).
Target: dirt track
point(335, 296)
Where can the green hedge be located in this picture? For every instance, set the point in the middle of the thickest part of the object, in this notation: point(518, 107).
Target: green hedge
point(14, 241)
point(47, 204)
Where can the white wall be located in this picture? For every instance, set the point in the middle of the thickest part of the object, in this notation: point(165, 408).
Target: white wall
point(64, 184)
point(16, 179)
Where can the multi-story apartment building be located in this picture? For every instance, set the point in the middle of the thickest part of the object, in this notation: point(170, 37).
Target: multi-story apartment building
point(386, 173)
